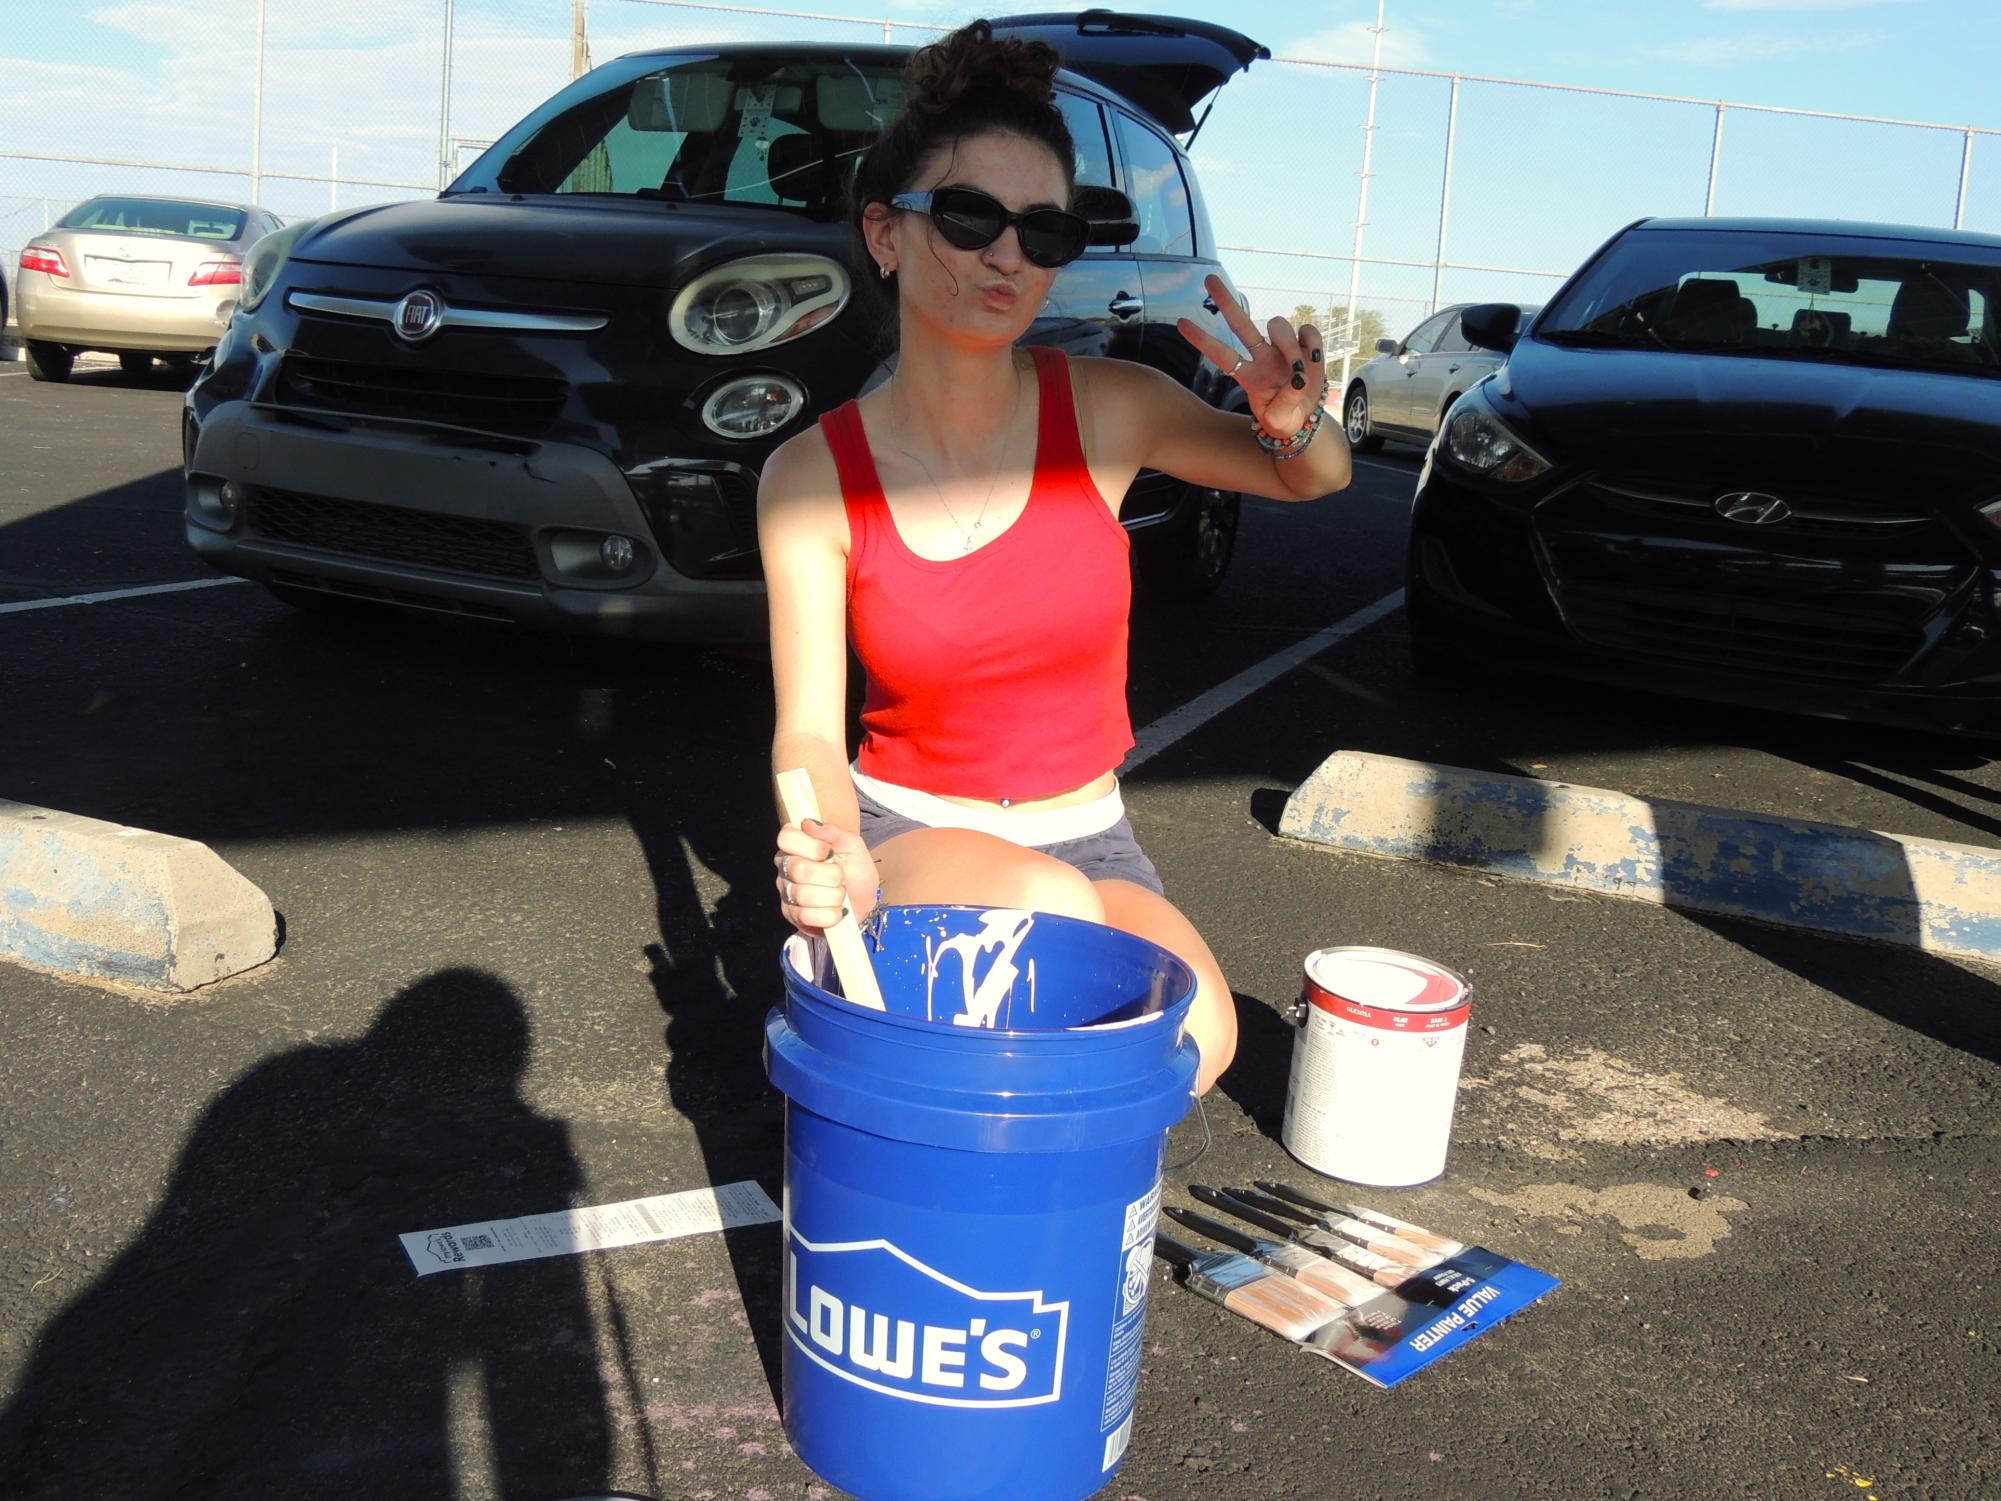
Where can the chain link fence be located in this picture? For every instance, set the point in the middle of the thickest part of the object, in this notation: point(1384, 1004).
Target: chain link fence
point(1479, 189)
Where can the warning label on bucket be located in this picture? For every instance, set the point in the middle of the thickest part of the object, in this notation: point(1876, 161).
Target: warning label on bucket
point(1129, 1316)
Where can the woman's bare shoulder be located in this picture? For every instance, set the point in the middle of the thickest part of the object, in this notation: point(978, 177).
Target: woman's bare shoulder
point(799, 486)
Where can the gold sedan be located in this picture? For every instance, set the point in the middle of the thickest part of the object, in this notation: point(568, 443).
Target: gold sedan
point(139, 277)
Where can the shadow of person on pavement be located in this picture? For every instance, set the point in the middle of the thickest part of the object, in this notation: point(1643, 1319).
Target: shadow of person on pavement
point(265, 1334)
point(715, 974)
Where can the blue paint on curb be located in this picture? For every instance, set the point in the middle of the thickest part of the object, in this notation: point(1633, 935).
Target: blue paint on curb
point(1826, 877)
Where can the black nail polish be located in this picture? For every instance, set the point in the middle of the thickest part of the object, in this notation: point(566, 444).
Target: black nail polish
point(1297, 366)
point(1316, 356)
point(1299, 383)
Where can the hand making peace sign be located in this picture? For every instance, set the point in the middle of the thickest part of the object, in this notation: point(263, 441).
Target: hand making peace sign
point(1282, 370)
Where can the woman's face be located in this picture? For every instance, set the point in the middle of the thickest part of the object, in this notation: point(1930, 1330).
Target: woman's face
point(986, 296)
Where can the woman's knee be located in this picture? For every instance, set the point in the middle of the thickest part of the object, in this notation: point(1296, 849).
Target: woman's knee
point(1213, 1022)
point(952, 865)
point(1048, 885)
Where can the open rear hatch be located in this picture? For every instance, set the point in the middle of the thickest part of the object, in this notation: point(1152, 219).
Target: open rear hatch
point(1163, 64)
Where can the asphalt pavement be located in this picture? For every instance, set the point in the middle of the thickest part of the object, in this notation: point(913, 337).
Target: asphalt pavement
point(529, 943)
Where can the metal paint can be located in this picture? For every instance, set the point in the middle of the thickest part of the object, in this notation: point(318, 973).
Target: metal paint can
point(1375, 1065)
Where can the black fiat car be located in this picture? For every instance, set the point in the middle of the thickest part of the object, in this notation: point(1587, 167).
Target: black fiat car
point(1752, 460)
point(545, 395)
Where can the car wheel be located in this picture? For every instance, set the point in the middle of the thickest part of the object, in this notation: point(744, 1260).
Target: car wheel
point(1188, 557)
point(49, 361)
point(134, 363)
point(1355, 419)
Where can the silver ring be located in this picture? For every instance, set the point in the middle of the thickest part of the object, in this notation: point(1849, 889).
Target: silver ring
point(1236, 367)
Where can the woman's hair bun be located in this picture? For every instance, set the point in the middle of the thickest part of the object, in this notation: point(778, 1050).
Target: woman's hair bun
point(973, 58)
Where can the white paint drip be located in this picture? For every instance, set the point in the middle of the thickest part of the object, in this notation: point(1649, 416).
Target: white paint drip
point(1001, 929)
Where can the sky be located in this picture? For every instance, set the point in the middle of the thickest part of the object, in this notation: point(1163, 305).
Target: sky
point(1539, 176)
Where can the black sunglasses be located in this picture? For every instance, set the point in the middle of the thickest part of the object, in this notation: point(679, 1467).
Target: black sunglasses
point(972, 220)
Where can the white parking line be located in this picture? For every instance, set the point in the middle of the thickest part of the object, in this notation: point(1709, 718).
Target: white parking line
point(1199, 710)
point(19, 606)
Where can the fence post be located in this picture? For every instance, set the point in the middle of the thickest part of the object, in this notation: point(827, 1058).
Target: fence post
point(1715, 160)
point(1445, 194)
point(1965, 171)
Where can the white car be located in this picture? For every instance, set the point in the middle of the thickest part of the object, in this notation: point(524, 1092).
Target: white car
point(138, 276)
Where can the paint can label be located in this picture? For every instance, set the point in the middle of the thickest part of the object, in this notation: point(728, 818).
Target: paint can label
point(1375, 1067)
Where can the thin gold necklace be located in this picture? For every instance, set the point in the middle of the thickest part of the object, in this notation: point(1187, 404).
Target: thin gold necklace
point(967, 536)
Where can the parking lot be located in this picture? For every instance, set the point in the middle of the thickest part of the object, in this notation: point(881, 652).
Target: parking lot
point(529, 941)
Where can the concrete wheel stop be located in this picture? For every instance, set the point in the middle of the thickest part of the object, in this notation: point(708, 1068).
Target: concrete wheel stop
point(1927, 894)
point(86, 899)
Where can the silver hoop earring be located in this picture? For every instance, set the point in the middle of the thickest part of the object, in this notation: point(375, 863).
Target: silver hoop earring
point(885, 272)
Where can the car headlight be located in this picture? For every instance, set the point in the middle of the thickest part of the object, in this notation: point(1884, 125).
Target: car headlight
point(753, 406)
point(1475, 438)
point(756, 302)
point(265, 260)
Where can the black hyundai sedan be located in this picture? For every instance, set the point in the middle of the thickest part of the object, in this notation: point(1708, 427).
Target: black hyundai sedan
point(1750, 460)
point(545, 396)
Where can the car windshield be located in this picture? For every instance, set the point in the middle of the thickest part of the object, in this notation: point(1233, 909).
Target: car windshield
point(1836, 299)
point(748, 128)
point(156, 216)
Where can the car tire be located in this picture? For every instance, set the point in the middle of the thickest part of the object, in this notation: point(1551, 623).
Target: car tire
point(134, 363)
point(1362, 437)
point(48, 361)
point(1188, 557)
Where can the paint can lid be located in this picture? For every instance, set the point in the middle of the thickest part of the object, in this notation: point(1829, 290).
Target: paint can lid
point(1385, 979)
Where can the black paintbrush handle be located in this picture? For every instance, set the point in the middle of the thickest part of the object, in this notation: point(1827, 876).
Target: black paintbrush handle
point(1241, 1210)
point(1229, 1235)
point(1299, 1196)
point(1167, 1248)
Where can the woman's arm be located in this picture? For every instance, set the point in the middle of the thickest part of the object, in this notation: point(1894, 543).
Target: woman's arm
point(1176, 432)
point(802, 535)
point(1284, 375)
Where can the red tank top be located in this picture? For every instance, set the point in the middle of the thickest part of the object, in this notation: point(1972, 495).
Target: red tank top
point(1000, 674)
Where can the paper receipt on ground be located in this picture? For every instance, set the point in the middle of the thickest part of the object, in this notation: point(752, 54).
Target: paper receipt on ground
point(601, 1227)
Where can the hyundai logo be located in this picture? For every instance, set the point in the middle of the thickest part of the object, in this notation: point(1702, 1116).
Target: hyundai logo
point(418, 316)
point(1752, 508)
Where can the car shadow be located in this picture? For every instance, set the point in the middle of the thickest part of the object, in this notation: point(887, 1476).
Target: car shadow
point(262, 1334)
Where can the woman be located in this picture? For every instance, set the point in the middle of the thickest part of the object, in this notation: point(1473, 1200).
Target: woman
point(960, 523)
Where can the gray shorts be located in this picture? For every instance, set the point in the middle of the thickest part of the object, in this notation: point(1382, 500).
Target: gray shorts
point(1111, 855)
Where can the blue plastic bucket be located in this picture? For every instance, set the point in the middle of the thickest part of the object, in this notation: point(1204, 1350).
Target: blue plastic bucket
point(971, 1183)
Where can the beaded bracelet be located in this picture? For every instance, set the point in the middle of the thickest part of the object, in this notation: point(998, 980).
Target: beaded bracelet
point(1297, 444)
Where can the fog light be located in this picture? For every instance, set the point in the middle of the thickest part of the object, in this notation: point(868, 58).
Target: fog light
point(228, 500)
point(752, 406)
point(616, 553)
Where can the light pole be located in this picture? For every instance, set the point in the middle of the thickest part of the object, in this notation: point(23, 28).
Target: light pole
point(1362, 208)
point(445, 105)
point(257, 115)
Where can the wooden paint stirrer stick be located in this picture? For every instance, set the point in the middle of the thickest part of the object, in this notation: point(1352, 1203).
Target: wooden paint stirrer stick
point(844, 938)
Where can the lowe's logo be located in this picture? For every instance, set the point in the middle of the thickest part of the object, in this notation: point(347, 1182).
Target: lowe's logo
point(879, 1317)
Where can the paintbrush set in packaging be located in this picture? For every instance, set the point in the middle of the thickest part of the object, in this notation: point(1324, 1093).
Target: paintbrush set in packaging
point(1368, 1291)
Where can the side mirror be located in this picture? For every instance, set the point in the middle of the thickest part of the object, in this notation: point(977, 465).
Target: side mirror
point(1387, 346)
point(1491, 325)
point(1114, 221)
